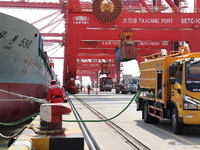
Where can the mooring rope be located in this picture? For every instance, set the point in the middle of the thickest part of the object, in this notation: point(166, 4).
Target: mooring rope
point(24, 97)
point(12, 136)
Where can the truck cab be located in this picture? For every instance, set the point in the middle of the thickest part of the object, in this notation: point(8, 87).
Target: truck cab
point(185, 90)
point(171, 89)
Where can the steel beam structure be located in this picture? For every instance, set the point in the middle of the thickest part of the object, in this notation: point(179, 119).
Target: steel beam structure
point(91, 39)
point(87, 37)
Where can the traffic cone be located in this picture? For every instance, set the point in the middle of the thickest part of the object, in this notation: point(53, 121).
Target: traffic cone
point(96, 92)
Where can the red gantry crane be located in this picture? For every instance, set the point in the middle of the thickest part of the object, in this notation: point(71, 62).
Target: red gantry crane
point(92, 31)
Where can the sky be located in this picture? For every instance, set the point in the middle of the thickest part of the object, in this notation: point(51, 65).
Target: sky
point(32, 15)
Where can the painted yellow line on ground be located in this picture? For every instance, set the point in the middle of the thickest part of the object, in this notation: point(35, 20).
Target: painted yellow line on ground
point(182, 139)
point(117, 110)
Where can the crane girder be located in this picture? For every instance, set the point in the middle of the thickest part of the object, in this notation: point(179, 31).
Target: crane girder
point(31, 5)
point(85, 73)
point(96, 56)
point(108, 45)
point(88, 37)
point(90, 53)
point(92, 39)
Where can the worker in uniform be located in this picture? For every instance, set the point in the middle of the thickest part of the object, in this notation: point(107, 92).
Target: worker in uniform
point(55, 93)
point(51, 62)
point(88, 88)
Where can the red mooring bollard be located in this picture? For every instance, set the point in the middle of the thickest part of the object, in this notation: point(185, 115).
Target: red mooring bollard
point(51, 117)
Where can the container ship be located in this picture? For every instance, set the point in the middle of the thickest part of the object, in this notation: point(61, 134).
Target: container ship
point(24, 69)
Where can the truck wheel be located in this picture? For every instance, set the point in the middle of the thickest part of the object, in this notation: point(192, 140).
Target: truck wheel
point(155, 120)
point(176, 125)
point(147, 117)
point(117, 91)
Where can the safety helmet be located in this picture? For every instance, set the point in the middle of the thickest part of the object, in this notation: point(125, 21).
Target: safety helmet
point(53, 82)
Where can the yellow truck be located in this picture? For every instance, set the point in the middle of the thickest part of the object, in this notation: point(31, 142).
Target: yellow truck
point(170, 89)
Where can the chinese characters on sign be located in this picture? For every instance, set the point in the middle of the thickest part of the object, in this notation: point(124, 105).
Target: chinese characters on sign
point(160, 20)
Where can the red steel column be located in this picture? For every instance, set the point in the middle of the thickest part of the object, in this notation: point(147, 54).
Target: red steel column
point(196, 6)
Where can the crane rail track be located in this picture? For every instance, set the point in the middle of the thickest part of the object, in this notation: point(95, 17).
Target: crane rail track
point(128, 138)
point(91, 143)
